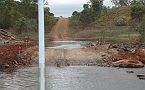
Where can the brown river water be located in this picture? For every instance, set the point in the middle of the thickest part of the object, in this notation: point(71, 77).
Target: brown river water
point(74, 78)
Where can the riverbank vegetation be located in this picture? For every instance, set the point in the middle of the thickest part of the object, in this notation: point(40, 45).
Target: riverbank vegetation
point(125, 15)
point(19, 31)
point(21, 17)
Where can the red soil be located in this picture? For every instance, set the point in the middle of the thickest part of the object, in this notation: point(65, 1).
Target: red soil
point(138, 54)
point(10, 58)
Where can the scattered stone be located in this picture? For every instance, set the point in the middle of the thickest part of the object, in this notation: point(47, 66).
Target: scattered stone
point(6, 66)
point(58, 65)
point(141, 76)
point(130, 71)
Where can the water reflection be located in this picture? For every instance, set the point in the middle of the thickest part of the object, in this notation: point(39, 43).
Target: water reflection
point(91, 78)
point(66, 44)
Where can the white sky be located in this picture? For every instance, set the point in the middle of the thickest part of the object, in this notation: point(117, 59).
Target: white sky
point(66, 7)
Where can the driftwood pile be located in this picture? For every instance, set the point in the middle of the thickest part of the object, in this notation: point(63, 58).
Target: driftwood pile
point(5, 36)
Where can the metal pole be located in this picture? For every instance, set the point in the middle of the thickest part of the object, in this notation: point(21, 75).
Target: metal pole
point(41, 45)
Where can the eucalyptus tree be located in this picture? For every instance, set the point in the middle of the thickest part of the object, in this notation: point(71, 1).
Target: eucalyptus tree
point(96, 6)
point(7, 11)
point(29, 8)
point(86, 16)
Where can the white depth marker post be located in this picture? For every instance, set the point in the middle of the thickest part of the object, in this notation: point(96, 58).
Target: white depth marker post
point(41, 45)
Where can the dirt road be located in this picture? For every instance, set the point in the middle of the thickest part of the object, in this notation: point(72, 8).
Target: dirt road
point(60, 30)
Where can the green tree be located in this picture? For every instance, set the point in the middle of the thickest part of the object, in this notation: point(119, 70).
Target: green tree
point(142, 1)
point(124, 2)
point(138, 11)
point(86, 16)
point(29, 8)
point(86, 6)
point(134, 2)
point(121, 2)
point(18, 14)
point(5, 14)
point(75, 13)
point(137, 2)
point(91, 12)
point(21, 25)
point(96, 6)
point(115, 2)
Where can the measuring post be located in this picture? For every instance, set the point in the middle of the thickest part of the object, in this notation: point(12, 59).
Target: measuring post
point(19, 49)
point(26, 40)
point(41, 45)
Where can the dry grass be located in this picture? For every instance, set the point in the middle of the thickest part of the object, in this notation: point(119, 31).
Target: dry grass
point(107, 19)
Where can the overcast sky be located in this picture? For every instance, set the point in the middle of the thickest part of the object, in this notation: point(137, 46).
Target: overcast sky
point(66, 7)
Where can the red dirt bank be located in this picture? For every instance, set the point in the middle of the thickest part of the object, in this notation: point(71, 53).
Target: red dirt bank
point(10, 60)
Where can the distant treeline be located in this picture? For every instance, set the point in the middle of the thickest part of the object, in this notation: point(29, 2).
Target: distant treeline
point(95, 13)
point(22, 15)
point(91, 12)
point(94, 9)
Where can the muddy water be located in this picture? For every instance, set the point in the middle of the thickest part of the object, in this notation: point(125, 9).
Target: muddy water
point(74, 78)
point(23, 79)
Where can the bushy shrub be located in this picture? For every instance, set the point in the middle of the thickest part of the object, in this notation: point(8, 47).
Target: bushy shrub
point(121, 21)
point(75, 24)
point(5, 23)
point(50, 21)
point(21, 24)
point(32, 25)
point(142, 29)
point(138, 11)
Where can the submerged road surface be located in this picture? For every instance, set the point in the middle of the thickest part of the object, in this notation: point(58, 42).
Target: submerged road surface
point(74, 78)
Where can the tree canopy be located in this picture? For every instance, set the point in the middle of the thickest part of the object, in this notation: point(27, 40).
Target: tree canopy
point(91, 11)
point(14, 13)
